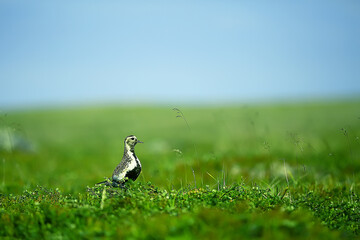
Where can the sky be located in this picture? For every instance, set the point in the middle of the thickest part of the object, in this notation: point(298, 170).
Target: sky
point(85, 52)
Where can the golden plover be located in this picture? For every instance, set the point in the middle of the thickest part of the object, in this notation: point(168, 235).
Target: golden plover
point(129, 167)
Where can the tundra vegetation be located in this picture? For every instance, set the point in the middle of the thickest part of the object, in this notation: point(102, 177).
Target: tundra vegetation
point(271, 171)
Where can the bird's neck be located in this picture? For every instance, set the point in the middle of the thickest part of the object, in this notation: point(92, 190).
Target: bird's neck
point(129, 148)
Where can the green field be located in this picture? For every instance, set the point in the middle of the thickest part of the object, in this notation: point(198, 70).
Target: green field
point(244, 171)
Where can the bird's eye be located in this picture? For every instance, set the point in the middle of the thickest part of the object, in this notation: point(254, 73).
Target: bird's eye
point(132, 138)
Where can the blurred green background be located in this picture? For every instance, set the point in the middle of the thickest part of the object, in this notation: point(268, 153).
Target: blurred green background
point(71, 148)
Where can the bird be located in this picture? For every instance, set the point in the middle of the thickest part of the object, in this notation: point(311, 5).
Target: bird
point(129, 166)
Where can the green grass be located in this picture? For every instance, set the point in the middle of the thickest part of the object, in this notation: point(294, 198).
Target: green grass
point(268, 171)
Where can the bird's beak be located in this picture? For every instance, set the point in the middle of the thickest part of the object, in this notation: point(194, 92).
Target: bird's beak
point(139, 141)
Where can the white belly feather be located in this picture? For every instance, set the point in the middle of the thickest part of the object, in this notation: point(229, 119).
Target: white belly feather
point(133, 163)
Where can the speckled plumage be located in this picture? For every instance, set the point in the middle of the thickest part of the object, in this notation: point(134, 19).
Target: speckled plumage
point(130, 166)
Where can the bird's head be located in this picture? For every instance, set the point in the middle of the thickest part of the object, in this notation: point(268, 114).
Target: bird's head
point(131, 141)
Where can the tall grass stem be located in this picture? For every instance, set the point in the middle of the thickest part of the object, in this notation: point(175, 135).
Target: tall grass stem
point(287, 180)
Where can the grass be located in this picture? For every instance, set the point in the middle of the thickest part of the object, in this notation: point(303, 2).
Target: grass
point(270, 171)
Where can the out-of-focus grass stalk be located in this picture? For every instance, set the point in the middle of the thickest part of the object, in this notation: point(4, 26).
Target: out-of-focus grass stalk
point(103, 198)
point(345, 132)
point(3, 180)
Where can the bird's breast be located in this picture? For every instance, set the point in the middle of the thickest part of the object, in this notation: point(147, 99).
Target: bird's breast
point(134, 161)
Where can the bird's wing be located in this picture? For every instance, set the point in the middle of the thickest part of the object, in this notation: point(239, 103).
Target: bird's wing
point(120, 170)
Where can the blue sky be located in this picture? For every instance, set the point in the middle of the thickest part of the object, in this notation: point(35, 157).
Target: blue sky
point(70, 52)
